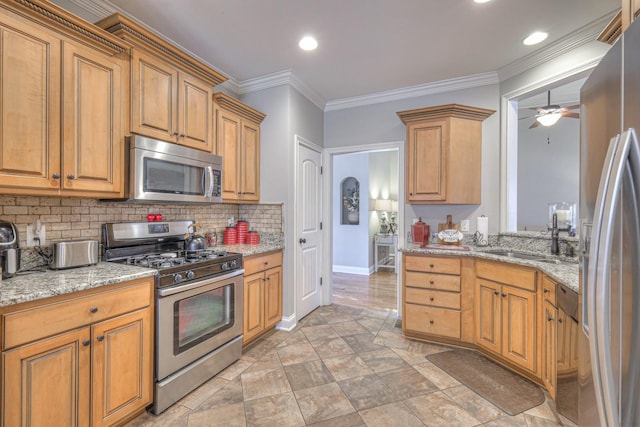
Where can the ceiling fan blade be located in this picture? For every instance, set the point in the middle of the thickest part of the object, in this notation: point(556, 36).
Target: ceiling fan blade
point(535, 124)
point(535, 108)
point(571, 115)
point(527, 117)
point(571, 107)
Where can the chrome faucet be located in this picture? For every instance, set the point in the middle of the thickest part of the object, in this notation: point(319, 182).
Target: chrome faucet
point(555, 246)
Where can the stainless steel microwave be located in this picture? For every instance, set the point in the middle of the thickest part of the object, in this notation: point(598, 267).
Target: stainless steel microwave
point(163, 172)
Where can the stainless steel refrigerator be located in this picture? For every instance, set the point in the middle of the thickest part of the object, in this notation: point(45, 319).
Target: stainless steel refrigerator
point(609, 341)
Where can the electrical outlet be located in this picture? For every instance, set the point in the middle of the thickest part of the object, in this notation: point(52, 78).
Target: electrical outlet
point(464, 225)
point(31, 236)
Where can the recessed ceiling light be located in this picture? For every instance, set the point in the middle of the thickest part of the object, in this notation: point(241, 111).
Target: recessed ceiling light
point(308, 43)
point(535, 38)
point(481, 1)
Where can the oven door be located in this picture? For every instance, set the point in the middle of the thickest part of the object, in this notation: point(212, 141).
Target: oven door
point(196, 318)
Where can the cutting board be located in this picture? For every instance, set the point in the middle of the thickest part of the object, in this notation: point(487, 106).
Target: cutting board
point(449, 225)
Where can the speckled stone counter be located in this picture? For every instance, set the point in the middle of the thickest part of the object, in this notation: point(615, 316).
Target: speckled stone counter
point(48, 283)
point(268, 243)
point(566, 272)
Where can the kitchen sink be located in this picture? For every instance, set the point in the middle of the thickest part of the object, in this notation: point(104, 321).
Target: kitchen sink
point(526, 256)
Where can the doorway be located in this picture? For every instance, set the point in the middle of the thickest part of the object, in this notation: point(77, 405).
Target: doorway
point(350, 245)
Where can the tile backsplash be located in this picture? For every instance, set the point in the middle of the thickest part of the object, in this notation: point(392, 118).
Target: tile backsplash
point(73, 219)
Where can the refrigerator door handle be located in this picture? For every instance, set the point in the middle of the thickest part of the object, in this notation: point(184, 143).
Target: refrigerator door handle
point(600, 290)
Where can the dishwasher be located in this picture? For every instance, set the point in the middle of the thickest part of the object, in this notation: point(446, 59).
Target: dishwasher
point(567, 353)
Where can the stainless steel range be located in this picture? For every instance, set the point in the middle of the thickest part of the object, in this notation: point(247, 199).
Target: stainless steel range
point(199, 300)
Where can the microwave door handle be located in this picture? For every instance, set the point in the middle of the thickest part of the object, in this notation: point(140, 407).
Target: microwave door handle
point(209, 187)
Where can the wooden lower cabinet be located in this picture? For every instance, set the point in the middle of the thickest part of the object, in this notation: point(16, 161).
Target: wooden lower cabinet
point(549, 345)
point(262, 294)
point(98, 374)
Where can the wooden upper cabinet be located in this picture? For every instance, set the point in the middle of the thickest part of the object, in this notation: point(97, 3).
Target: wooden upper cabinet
point(444, 154)
point(93, 154)
point(171, 91)
point(238, 142)
point(63, 91)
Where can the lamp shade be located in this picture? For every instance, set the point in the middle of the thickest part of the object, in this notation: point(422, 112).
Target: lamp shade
point(549, 119)
point(394, 206)
point(383, 205)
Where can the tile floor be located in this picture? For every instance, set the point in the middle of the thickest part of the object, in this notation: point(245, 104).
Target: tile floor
point(341, 366)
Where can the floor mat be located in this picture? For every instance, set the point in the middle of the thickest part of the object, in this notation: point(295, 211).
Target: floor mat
point(505, 389)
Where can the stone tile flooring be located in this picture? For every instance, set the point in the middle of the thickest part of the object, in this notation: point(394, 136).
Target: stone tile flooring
point(341, 367)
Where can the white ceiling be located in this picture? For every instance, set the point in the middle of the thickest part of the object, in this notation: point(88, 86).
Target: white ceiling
point(365, 46)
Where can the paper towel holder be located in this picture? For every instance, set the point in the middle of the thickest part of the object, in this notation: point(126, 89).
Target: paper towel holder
point(479, 239)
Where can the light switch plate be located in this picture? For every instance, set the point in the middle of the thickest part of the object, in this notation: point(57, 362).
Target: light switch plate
point(31, 234)
point(464, 225)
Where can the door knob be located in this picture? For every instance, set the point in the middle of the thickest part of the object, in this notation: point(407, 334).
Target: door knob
point(302, 240)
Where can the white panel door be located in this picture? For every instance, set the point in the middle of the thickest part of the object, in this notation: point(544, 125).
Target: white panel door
point(309, 234)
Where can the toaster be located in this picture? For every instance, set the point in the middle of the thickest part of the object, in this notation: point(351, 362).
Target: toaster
point(73, 254)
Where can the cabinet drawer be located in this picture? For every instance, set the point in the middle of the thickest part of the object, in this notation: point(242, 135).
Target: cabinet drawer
point(442, 282)
point(433, 298)
point(432, 264)
point(549, 290)
point(258, 263)
point(432, 320)
point(28, 325)
point(508, 274)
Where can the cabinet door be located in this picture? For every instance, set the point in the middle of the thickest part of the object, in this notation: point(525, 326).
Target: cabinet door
point(47, 383)
point(93, 133)
point(195, 113)
point(427, 161)
point(519, 327)
point(250, 162)
point(228, 146)
point(122, 367)
point(154, 97)
point(549, 348)
point(30, 113)
point(253, 306)
point(487, 313)
point(273, 296)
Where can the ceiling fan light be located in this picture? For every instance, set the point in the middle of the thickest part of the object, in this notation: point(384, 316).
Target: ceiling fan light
point(549, 119)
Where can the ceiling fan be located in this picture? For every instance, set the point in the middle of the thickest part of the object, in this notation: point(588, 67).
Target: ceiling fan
point(549, 115)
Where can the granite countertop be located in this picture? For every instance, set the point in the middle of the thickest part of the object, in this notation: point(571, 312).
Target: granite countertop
point(565, 272)
point(32, 286)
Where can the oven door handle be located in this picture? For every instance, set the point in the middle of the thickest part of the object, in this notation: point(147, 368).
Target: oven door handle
point(164, 292)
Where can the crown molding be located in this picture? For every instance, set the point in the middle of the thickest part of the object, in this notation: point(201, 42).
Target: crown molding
point(99, 8)
point(448, 85)
point(281, 78)
point(571, 41)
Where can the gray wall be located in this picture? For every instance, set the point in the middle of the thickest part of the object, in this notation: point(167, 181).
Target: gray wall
point(288, 114)
point(546, 172)
point(379, 123)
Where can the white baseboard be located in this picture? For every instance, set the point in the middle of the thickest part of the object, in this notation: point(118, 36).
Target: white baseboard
point(287, 323)
point(364, 271)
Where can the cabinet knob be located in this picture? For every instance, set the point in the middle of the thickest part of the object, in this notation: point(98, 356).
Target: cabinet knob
point(182, 135)
point(431, 282)
point(496, 292)
point(546, 291)
point(56, 176)
point(302, 240)
point(93, 310)
point(175, 133)
point(431, 266)
point(430, 298)
point(71, 176)
point(411, 194)
point(549, 318)
point(504, 295)
point(560, 320)
point(266, 263)
point(86, 343)
point(100, 338)
point(431, 322)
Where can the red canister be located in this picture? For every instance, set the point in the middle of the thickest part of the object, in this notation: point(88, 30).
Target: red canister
point(243, 228)
point(230, 236)
point(253, 238)
point(418, 231)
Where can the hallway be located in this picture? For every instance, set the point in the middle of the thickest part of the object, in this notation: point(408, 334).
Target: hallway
point(375, 292)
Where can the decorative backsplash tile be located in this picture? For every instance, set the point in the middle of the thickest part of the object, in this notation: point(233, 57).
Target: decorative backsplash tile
point(74, 219)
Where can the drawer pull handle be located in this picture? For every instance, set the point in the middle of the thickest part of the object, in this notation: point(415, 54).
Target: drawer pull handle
point(93, 309)
point(431, 322)
point(430, 298)
point(100, 338)
point(86, 342)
